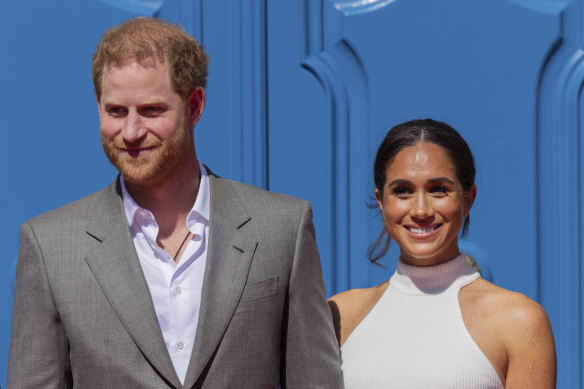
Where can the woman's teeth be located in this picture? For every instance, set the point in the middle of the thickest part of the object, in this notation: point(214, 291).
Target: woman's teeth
point(422, 230)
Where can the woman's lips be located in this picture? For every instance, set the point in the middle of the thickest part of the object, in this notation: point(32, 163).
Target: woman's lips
point(422, 232)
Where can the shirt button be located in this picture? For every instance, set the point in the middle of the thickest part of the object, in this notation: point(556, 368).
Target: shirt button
point(180, 345)
point(178, 290)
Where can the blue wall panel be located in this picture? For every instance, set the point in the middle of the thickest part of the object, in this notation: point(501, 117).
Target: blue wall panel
point(300, 93)
point(559, 133)
point(300, 142)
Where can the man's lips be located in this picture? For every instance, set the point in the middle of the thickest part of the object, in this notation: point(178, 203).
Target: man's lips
point(422, 232)
point(136, 152)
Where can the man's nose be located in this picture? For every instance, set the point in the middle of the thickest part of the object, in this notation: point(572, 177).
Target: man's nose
point(133, 128)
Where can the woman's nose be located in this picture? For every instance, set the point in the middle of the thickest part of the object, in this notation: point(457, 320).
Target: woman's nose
point(421, 206)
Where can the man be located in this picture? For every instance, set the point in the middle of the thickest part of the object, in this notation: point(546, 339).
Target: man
point(171, 276)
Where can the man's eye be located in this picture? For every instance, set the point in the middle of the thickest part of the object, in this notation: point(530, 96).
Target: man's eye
point(116, 111)
point(152, 111)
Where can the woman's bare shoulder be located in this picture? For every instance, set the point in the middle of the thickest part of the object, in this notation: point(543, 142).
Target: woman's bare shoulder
point(502, 302)
point(519, 324)
point(350, 308)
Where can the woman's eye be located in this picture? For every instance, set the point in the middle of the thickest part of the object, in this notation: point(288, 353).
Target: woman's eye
point(440, 190)
point(401, 193)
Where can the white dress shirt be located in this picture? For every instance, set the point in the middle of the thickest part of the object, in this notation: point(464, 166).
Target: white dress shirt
point(175, 287)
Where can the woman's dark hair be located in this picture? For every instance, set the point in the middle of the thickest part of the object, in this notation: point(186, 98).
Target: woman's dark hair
point(412, 133)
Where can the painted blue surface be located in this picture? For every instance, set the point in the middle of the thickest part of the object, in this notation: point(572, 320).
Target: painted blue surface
point(300, 94)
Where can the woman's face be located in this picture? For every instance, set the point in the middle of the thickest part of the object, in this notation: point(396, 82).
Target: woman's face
point(423, 204)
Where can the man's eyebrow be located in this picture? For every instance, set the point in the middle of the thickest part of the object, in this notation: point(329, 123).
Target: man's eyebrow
point(152, 102)
point(110, 102)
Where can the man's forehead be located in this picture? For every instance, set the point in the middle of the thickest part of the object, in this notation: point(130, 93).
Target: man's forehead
point(136, 83)
point(112, 71)
point(146, 63)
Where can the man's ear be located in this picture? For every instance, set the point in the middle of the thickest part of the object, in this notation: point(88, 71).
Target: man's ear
point(98, 108)
point(196, 104)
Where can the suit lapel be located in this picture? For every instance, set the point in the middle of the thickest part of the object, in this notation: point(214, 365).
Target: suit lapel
point(228, 261)
point(117, 269)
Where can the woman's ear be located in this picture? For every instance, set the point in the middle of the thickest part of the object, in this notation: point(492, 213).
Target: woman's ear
point(470, 198)
point(379, 198)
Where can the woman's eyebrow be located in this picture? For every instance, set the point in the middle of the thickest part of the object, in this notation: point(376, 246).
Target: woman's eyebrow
point(400, 181)
point(441, 179)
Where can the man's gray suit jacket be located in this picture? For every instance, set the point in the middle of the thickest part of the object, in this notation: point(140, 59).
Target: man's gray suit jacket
point(83, 315)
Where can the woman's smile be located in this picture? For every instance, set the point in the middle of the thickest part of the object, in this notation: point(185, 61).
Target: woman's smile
point(422, 232)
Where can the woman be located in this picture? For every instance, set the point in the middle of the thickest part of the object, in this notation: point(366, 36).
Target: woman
point(436, 323)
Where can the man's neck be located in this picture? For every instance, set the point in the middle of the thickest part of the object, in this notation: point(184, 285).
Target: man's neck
point(171, 200)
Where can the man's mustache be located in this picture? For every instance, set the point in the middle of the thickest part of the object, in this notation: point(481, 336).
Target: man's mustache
point(144, 143)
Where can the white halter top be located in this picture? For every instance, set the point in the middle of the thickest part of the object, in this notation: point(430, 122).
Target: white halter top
point(415, 337)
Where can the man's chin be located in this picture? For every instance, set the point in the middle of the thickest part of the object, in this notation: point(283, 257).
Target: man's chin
point(143, 175)
point(141, 179)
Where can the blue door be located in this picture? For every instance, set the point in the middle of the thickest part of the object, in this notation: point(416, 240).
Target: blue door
point(301, 93)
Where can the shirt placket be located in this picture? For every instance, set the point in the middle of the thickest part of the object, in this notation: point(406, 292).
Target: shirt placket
point(176, 294)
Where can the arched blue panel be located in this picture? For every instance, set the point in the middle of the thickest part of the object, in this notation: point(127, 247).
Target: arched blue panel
point(341, 76)
point(302, 104)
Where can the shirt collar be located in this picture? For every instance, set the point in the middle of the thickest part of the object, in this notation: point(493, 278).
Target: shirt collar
point(139, 216)
point(203, 201)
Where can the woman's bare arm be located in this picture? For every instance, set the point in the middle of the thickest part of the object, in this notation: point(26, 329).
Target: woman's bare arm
point(530, 348)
